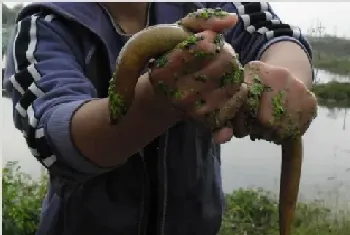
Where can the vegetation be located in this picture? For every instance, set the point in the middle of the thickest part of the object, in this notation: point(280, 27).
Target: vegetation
point(333, 64)
point(331, 53)
point(248, 211)
point(333, 94)
point(9, 15)
point(21, 201)
point(8, 20)
point(255, 212)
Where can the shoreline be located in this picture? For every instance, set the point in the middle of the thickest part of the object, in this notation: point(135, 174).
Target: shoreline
point(330, 66)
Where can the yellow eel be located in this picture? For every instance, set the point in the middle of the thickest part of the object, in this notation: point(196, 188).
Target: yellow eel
point(156, 40)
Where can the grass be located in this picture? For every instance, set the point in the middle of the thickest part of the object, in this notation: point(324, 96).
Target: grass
point(331, 53)
point(337, 65)
point(333, 94)
point(248, 211)
point(21, 213)
point(255, 212)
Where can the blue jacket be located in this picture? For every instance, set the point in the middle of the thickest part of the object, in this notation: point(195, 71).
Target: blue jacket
point(54, 70)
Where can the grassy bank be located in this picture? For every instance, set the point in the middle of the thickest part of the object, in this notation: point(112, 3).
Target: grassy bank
point(248, 211)
point(333, 94)
point(333, 64)
point(255, 212)
point(331, 53)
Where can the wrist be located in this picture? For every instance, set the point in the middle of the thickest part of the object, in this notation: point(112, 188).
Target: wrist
point(297, 61)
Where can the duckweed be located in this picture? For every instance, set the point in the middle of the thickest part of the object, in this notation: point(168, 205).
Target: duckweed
point(278, 103)
point(208, 13)
point(116, 103)
point(189, 42)
point(236, 76)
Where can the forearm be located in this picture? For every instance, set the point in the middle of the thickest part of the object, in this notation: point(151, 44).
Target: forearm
point(108, 145)
point(292, 57)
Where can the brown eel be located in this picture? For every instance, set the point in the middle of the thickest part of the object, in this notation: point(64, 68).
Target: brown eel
point(157, 40)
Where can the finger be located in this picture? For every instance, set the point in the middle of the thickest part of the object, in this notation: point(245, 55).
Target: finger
point(233, 105)
point(190, 55)
point(209, 19)
point(229, 99)
point(211, 102)
point(226, 101)
point(223, 135)
point(166, 70)
point(259, 131)
point(224, 70)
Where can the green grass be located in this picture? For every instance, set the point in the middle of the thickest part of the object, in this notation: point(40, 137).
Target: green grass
point(333, 94)
point(21, 201)
point(248, 211)
point(337, 65)
point(331, 53)
point(255, 212)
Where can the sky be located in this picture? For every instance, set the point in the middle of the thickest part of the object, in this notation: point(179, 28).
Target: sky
point(334, 17)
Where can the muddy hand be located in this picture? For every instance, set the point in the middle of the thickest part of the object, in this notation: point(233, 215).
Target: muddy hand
point(218, 119)
point(202, 75)
point(279, 105)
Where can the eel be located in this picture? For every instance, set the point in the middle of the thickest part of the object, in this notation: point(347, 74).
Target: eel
point(157, 40)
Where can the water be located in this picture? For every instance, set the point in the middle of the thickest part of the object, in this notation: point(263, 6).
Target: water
point(326, 165)
point(324, 76)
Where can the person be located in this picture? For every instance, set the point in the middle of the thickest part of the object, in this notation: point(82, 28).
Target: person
point(158, 170)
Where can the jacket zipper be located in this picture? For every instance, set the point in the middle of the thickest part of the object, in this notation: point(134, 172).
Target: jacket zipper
point(143, 216)
point(165, 184)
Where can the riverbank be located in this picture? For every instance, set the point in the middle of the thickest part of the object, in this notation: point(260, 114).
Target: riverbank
point(248, 211)
point(334, 65)
point(333, 94)
point(331, 54)
point(255, 212)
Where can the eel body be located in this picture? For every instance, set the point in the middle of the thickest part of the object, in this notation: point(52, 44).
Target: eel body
point(157, 40)
point(292, 156)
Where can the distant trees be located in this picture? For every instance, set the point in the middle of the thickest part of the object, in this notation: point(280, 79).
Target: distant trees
point(8, 21)
point(9, 15)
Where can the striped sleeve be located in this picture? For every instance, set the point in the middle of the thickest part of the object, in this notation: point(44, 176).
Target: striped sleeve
point(48, 85)
point(259, 28)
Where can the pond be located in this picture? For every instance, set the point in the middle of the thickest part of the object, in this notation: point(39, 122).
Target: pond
point(324, 76)
point(326, 164)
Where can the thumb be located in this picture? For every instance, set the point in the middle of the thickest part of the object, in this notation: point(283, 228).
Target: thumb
point(223, 135)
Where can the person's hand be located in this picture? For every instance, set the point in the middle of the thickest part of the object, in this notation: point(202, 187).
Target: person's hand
point(202, 74)
point(286, 108)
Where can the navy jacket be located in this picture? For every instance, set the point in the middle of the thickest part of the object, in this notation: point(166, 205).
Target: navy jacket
point(52, 70)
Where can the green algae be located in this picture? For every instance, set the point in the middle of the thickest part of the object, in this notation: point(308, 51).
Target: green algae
point(278, 105)
point(116, 104)
point(236, 76)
